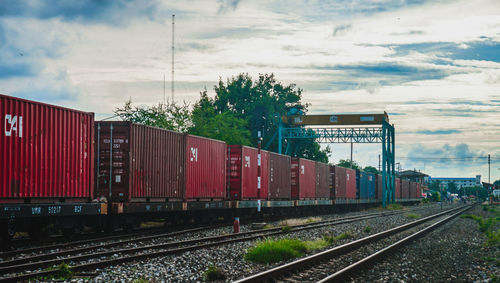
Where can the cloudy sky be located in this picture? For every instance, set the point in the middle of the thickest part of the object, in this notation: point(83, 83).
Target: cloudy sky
point(434, 66)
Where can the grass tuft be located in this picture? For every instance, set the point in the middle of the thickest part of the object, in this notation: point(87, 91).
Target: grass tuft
point(333, 239)
point(270, 251)
point(213, 273)
point(394, 206)
point(286, 229)
point(413, 215)
point(367, 229)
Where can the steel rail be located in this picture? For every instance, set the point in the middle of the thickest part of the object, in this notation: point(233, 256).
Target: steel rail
point(342, 249)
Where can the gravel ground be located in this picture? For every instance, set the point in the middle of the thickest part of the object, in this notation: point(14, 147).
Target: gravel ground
point(454, 252)
point(189, 266)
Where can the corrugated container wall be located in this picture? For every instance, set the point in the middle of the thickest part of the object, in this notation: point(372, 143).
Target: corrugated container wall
point(340, 182)
point(350, 183)
point(419, 190)
point(379, 187)
point(405, 189)
point(205, 168)
point(398, 188)
point(303, 175)
point(148, 164)
point(279, 176)
point(362, 184)
point(331, 181)
point(322, 180)
point(47, 151)
point(371, 185)
point(243, 173)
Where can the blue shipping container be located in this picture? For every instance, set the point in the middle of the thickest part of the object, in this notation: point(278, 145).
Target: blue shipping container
point(363, 185)
point(372, 184)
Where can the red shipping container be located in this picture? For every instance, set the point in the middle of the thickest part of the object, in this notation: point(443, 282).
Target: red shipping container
point(243, 173)
point(279, 176)
point(47, 151)
point(405, 189)
point(379, 187)
point(322, 182)
point(340, 182)
point(350, 183)
point(303, 175)
point(205, 168)
point(398, 188)
point(419, 190)
point(148, 163)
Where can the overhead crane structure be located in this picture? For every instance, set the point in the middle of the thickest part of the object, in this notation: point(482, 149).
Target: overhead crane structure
point(371, 128)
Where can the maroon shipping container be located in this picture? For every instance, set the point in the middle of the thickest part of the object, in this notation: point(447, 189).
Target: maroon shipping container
point(340, 182)
point(379, 187)
point(279, 176)
point(405, 189)
point(398, 188)
point(243, 173)
point(205, 168)
point(46, 151)
point(350, 183)
point(303, 175)
point(147, 162)
point(322, 182)
point(419, 190)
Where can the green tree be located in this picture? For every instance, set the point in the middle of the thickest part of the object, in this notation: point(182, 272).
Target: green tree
point(371, 169)
point(169, 116)
point(261, 103)
point(435, 196)
point(496, 183)
point(224, 126)
point(435, 185)
point(452, 188)
point(346, 163)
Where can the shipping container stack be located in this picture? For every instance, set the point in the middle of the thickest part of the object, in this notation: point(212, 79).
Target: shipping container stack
point(322, 182)
point(303, 177)
point(205, 169)
point(243, 173)
point(350, 180)
point(398, 188)
point(46, 152)
point(148, 163)
point(279, 176)
point(371, 185)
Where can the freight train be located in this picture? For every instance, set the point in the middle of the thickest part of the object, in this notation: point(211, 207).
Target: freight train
point(61, 169)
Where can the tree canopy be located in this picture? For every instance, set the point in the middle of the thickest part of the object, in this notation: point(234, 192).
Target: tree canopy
point(346, 163)
point(371, 169)
point(240, 109)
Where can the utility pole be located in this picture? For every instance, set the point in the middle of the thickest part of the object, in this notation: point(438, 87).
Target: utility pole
point(173, 24)
point(489, 165)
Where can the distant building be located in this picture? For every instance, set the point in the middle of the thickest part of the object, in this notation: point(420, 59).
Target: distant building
point(460, 182)
point(412, 175)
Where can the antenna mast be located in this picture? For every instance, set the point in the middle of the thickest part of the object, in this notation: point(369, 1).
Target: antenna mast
point(173, 23)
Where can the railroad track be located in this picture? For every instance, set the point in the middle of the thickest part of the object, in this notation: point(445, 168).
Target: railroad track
point(101, 255)
point(336, 264)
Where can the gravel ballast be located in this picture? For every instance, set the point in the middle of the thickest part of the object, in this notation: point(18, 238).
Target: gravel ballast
point(190, 266)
